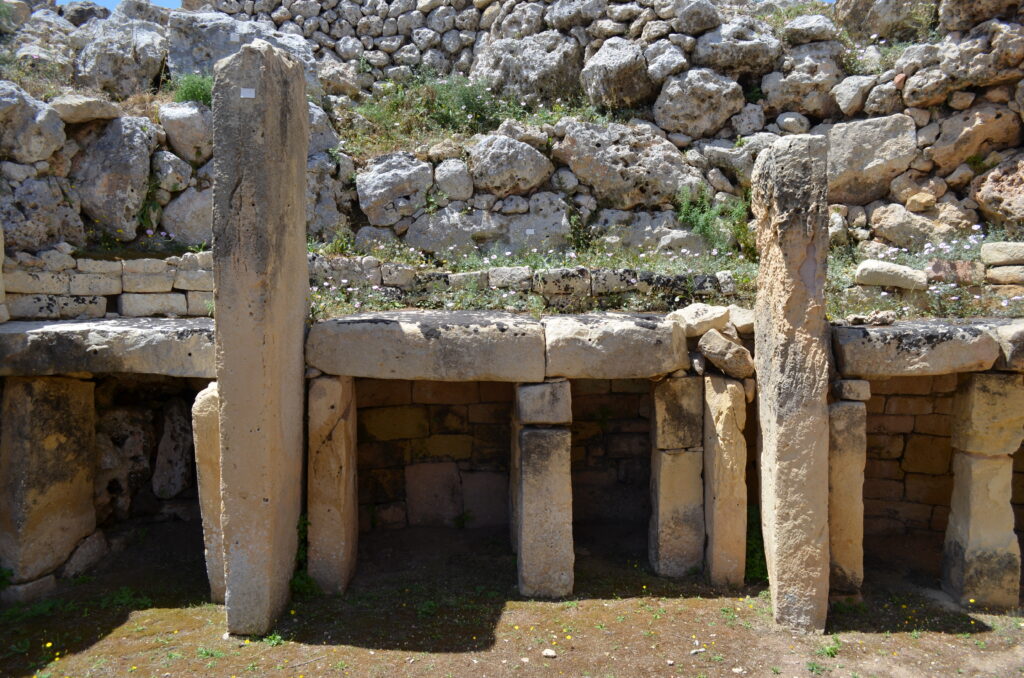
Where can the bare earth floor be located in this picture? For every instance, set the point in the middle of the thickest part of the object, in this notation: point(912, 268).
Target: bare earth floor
point(442, 602)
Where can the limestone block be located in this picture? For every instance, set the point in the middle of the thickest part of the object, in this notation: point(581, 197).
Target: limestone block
point(88, 553)
point(445, 346)
point(988, 414)
point(144, 266)
point(172, 470)
point(917, 348)
point(485, 498)
point(678, 413)
point(206, 439)
point(36, 282)
point(545, 404)
point(888, 274)
point(727, 355)
point(199, 303)
point(725, 480)
point(177, 348)
point(1005, 275)
point(852, 389)
point(81, 307)
point(675, 542)
point(46, 472)
point(847, 457)
point(981, 556)
point(554, 281)
point(147, 282)
point(33, 306)
point(433, 493)
point(29, 591)
point(1002, 253)
point(544, 521)
point(261, 295)
point(95, 283)
point(100, 266)
point(1011, 346)
point(613, 346)
point(792, 358)
point(194, 280)
point(142, 305)
point(332, 502)
point(700, 318)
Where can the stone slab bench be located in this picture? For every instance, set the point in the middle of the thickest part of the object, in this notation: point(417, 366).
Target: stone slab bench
point(171, 347)
point(495, 346)
point(928, 348)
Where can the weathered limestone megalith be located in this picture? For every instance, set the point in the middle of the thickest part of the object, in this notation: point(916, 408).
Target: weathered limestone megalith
point(847, 456)
point(206, 439)
point(981, 556)
point(541, 489)
point(725, 482)
point(4, 314)
point(261, 132)
point(333, 508)
point(675, 542)
point(46, 473)
point(791, 353)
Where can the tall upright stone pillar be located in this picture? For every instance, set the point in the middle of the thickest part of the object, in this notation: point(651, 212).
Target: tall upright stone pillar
point(331, 482)
point(47, 466)
point(675, 541)
point(847, 456)
point(261, 132)
point(981, 556)
point(206, 441)
point(725, 480)
point(4, 314)
point(791, 354)
point(542, 489)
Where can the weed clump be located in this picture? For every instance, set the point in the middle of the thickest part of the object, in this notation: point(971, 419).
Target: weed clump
point(192, 87)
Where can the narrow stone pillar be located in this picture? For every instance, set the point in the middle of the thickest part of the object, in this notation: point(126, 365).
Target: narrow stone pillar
point(331, 483)
point(675, 542)
point(725, 480)
point(4, 314)
point(206, 440)
point(791, 354)
point(47, 466)
point(542, 489)
point(261, 132)
point(981, 555)
point(847, 456)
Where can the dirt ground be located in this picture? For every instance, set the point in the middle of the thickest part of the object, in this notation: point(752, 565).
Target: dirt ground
point(442, 602)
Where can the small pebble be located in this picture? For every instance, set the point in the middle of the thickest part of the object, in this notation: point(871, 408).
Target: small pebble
point(549, 653)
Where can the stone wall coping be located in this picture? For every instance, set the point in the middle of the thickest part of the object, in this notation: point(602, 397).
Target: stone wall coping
point(172, 347)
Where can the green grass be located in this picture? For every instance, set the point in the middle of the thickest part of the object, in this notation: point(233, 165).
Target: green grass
point(724, 226)
point(192, 87)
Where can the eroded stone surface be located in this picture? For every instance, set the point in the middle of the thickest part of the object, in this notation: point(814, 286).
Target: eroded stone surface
point(545, 404)
point(206, 439)
point(675, 543)
point(677, 419)
point(613, 346)
point(989, 413)
point(847, 456)
point(725, 481)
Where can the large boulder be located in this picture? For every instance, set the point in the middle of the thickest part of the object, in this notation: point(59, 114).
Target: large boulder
point(974, 132)
point(737, 161)
point(564, 14)
point(188, 218)
point(742, 47)
point(80, 11)
point(43, 45)
point(393, 186)
point(322, 136)
point(111, 174)
point(692, 17)
point(906, 229)
point(30, 130)
point(537, 68)
point(198, 40)
point(120, 55)
point(697, 103)
point(189, 127)
point(503, 166)
point(328, 195)
point(1000, 194)
point(809, 73)
point(616, 77)
point(40, 213)
point(77, 108)
point(895, 19)
point(626, 166)
point(865, 155)
point(809, 28)
point(450, 229)
point(960, 15)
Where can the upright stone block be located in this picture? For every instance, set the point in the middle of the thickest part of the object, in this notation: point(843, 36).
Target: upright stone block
point(791, 354)
point(544, 520)
point(981, 556)
point(847, 456)
point(678, 404)
point(332, 500)
point(47, 439)
point(4, 314)
point(988, 414)
point(725, 481)
point(675, 543)
point(545, 404)
point(261, 133)
point(206, 440)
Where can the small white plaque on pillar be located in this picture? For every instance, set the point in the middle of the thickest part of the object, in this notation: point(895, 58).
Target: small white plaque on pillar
point(247, 93)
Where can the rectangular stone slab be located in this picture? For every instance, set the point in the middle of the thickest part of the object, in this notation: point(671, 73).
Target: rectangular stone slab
point(910, 349)
point(206, 436)
point(675, 542)
point(434, 345)
point(614, 346)
point(847, 456)
point(172, 347)
point(725, 480)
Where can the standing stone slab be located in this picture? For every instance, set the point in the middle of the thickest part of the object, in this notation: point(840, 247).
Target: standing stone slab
point(261, 132)
point(545, 404)
point(46, 473)
point(791, 349)
point(332, 500)
point(678, 413)
point(544, 521)
point(4, 314)
point(206, 439)
point(675, 543)
point(847, 456)
point(725, 481)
